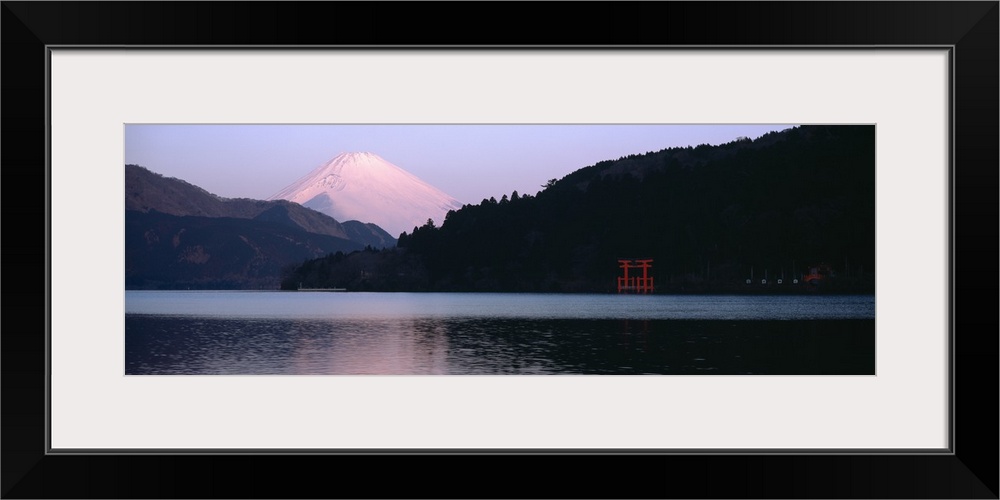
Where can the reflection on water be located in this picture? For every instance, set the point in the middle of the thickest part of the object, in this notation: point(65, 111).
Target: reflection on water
point(158, 344)
point(301, 333)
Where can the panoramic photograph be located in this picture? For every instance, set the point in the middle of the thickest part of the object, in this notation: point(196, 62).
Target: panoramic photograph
point(551, 249)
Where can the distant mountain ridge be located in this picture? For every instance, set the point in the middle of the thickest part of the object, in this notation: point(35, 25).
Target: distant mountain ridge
point(177, 235)
point(146, 190)
point(364, 186)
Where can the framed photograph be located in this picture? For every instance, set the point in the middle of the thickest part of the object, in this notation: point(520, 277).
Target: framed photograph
point(897, 416)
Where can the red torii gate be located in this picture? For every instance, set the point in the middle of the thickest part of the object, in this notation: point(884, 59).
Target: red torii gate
point(635, 284)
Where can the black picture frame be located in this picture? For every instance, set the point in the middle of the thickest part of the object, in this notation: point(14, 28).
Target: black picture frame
point(970, 28)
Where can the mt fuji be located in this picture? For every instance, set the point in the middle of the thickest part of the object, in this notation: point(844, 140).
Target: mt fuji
point(365, 187)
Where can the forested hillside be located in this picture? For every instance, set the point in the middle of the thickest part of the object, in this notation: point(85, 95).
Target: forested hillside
point(708, 216)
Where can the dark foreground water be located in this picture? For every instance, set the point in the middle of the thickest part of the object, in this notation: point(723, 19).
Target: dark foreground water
point(299, 333)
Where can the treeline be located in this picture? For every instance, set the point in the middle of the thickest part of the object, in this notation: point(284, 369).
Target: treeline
point(708, 216)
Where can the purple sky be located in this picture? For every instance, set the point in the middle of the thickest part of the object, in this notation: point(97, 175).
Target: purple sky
point(469, 162)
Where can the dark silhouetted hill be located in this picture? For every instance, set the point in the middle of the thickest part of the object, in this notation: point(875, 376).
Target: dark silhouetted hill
point(710, 217)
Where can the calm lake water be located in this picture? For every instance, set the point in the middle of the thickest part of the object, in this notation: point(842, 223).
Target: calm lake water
point(328, 333)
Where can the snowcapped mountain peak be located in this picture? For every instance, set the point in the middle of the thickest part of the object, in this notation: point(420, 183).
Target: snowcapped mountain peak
point(365, 187)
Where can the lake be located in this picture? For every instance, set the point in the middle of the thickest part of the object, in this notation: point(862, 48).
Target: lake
point(348, 333)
